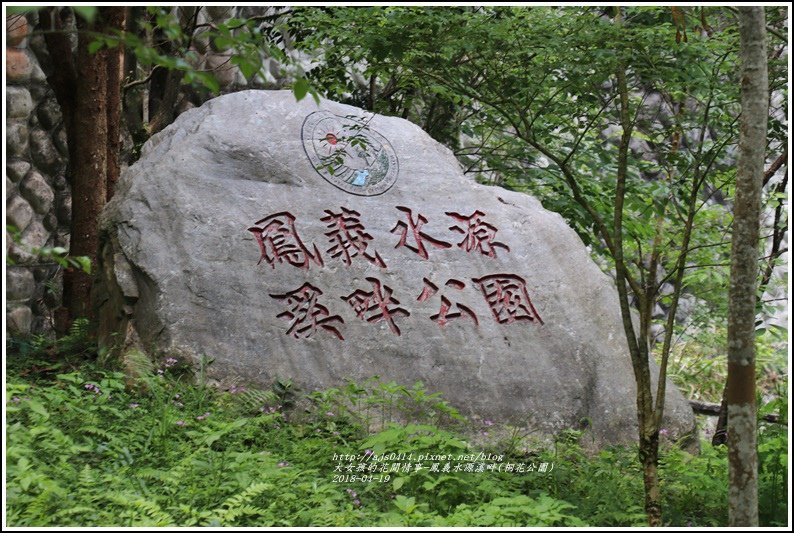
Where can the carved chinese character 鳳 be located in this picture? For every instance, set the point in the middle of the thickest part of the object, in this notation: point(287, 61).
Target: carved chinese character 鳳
point(444, 316)
point(506, 295)
point(376, 305)
point(349, 237)
point(306, 314)
point(478, 235)
point(279, 242)
point(413, 237)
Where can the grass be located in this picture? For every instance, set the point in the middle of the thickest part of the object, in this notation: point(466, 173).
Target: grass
point(87, 448)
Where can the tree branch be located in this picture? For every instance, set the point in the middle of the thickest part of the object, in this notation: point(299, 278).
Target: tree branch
point(770, 172)
point(713, 409)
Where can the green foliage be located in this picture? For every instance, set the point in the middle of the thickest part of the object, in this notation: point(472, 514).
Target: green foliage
point(359, 408)
point(698, 364)
point(773, 467)
point(53, 353)
point(246, 41)
point(86, 449)
point(526, 95)
point(694, 488)
point(49, 254)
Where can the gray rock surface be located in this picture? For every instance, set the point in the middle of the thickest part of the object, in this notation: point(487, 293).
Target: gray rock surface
point(18, 213)
point(182, 270)
point(16, 139)
point(20, 284)
point(35, 235)
point(37, 192)
point(44, 153)
point(18, 319)
point(16, 170)
point(49, 114)
point(18, 102)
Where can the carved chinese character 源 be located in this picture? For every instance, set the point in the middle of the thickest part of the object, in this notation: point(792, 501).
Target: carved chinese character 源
point(478, 235)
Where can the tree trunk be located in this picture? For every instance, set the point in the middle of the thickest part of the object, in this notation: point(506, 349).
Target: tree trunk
point(742, 451)
point(649, 457)
point(114, 18)
point(84, 88)
point(638, 343)
point(88, 160)
point(720, 437)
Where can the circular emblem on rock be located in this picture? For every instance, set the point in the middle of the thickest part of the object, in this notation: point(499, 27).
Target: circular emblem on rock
point(349, 154)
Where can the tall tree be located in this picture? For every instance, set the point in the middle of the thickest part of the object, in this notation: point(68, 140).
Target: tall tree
point(742, 451)
point(86, 84)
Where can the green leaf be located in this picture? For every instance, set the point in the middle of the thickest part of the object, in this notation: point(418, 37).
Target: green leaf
point(95, 46)
point(247, 67)
point(209, 81)
point(399, 482)
point(300, 88)
point(36, 407)
point(222, 42)
point(83, 262)
point(86, 12)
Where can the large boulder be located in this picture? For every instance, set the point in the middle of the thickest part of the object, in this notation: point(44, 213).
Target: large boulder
point(321, 243)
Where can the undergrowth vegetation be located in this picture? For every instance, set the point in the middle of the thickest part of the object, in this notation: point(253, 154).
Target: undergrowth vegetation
point(87, 447)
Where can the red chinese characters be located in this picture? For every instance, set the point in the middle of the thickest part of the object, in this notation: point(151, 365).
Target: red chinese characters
point(279, 242)
point(506, 295)
point(376, 305)
point(413, 237)
point(348, 236)
point(305, 314)
point(478, 235)
point(443, 317)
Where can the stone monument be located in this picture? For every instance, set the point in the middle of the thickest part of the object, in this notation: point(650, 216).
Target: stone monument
point(322, 243)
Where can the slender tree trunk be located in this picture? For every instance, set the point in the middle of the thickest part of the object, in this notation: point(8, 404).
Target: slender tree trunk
point(720, 437)
point(638, 343)
point(742, 451)
point(88, 140)
point(649, 456)
point(114, 18)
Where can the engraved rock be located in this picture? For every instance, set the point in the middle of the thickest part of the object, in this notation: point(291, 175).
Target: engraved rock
point(283, 239)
